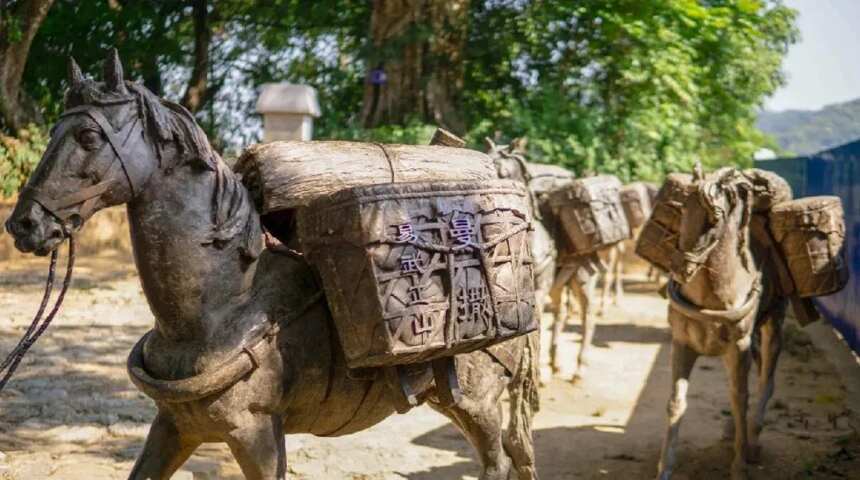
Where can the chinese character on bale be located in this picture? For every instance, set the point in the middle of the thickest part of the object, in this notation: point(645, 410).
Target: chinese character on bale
point(462, 230)
point(479, 305)
point(414, 294)
point(422, 322)
point(410, 263)
point(406, 233)
point(473, 305)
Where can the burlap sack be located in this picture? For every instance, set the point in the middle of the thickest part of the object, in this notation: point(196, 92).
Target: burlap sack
point(636, 203)
point(658, 240)
point(769, 189)
point(590, 212)
point(417, 271)
point(811, 234)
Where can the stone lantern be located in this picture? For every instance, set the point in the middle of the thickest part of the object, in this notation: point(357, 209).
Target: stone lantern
point(288, 111)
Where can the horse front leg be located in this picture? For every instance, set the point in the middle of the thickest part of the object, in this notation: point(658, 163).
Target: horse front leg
point(559, 319)
point(771, 347)
point(683, 360)
point(618, 280)
point(737, 362)
point(258, 447)
point(588, 327)
point(164, 452)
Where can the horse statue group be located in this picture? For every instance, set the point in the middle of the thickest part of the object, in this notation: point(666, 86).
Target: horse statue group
point(243, 350)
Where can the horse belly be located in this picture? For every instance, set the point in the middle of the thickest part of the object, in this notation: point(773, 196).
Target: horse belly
point(350, 406)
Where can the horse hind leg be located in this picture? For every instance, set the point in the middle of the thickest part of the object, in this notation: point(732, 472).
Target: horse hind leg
point(164, 452)
point(478, 414)
point(524, 403)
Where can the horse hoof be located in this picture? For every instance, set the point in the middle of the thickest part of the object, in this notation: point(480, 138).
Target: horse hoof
point(576, 379)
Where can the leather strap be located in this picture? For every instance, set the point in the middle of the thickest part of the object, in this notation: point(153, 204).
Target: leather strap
point(199, 386)
point(680, 304)
point(87, 197)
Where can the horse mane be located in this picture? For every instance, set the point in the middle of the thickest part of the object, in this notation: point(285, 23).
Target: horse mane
point(165, 122)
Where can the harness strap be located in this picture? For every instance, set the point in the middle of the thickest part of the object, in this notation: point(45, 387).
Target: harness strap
point(199, 386)
point(116, 138)
point(56, 207)
point(732, 316)
point(243, 361)
point(89, 195)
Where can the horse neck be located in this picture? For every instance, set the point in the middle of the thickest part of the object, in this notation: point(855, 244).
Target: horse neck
point(723, 282)
point(196, 276)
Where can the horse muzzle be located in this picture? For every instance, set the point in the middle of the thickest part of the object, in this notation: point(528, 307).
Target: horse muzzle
point(34, 229)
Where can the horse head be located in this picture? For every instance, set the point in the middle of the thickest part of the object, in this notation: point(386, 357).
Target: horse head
point(718, 205)
point(102, 152)
point(509, 159)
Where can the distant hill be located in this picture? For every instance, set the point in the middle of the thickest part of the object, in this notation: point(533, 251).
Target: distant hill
point(803, 132)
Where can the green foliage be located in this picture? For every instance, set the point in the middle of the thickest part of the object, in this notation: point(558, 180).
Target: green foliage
point(413, 133)
point(18, 157)
point(631, 87)
point(807, 132)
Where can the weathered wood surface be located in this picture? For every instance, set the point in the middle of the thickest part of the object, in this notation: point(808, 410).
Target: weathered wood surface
point(286, 175)
point(545, 178)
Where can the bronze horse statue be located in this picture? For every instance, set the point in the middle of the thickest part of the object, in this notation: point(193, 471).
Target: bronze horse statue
point(243, 349)
point(559, 277)
point(724, 301)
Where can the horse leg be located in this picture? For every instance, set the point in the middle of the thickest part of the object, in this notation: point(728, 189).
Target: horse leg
point(164, 452)
point(607, 280)
point(524, 402)
point(619, 280)
point(588, 326)
point(683, 360)
point(558, 321)
point(258, 447)
point(737, 362)
point(771, 347)
point(478, 414)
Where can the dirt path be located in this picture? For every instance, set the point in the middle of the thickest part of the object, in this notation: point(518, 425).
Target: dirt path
point(72, 413)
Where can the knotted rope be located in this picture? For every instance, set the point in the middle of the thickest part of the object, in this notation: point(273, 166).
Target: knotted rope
point(38, 325)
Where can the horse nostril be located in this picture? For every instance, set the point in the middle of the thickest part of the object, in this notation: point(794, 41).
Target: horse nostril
point(56, 233)
point(25, 225)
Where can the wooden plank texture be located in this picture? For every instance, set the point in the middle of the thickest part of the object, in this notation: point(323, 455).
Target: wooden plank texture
point(286, 175)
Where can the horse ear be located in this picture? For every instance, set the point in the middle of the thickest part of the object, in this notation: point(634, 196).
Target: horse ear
point(698, 173)
point(491, 145)
point(113, 75)
point(76, 76)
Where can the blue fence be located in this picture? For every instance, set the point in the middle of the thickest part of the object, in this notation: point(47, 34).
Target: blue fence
point(833, 172)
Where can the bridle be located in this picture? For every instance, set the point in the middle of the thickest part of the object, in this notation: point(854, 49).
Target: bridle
point(61, 207)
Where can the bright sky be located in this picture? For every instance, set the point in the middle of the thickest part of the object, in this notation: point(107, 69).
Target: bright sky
point(824, 67)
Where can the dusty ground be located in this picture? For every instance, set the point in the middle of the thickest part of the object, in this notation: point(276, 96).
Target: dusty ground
point(72, 414)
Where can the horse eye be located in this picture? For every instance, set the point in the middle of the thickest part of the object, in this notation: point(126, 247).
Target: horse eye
point(89, 138)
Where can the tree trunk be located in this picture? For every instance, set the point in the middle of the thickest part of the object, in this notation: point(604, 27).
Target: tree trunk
point(197, 92)
point(418, 44)
point(18, 25)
